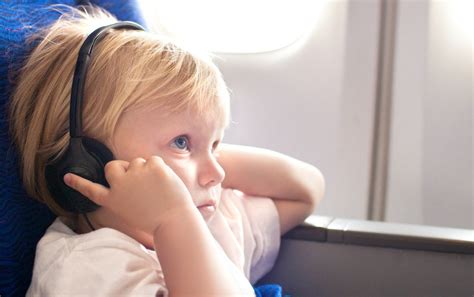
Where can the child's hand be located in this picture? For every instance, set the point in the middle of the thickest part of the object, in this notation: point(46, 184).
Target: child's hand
point(141, 192)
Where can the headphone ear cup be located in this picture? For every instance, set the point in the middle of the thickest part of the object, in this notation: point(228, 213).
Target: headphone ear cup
point(102, 155)
point(85, 158)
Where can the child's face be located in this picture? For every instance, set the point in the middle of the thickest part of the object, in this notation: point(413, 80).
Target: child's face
point(184, 141)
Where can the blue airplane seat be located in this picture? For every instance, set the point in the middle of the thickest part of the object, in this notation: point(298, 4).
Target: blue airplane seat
point(23, 220)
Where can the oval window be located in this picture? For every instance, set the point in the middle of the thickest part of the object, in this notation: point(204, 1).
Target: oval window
point(229, 26)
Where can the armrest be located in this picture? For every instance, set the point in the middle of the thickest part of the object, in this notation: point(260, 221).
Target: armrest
point(326, 256)
point(384, 234)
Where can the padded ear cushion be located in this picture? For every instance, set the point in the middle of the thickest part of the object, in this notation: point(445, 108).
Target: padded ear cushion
point(85, 157)
point(101, 154)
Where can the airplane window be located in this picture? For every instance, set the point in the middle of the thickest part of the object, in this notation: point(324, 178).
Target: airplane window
point(242, 26)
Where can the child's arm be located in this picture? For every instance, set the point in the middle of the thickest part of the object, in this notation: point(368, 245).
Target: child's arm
point(295, 187)
point(193, 262)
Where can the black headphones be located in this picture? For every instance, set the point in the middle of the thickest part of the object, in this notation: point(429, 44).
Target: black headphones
point(84, 156)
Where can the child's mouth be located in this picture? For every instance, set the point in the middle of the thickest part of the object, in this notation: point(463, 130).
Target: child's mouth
point(207, 210)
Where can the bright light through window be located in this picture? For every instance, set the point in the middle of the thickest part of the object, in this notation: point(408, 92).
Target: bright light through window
point(462, 16)
point(230, 26)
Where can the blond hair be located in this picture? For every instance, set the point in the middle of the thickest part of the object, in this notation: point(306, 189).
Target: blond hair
point(129, 69)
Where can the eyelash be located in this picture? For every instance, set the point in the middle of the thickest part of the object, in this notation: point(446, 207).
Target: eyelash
point(187, 143)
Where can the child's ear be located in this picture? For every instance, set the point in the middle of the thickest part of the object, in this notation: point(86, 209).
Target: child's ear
point(95, 192)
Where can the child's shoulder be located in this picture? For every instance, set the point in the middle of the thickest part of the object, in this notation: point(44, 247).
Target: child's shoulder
point(247, 227)
point(61, 244)
point(103, 259)
point(60, 233)
point(247, 216)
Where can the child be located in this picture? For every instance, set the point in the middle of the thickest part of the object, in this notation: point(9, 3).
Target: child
point(184, 215)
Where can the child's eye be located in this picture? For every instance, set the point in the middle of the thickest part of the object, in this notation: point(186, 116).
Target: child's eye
point(181, 142)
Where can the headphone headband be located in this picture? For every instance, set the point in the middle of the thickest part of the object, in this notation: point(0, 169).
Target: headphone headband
point(83, 60)
point(84, 156)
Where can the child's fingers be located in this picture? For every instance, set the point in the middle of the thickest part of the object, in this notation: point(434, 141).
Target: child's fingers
point(91, 190)
point(114, 169)
point(123, 164)
point(137, 162)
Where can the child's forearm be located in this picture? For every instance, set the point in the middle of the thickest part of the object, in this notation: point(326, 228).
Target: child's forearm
point(262, 172)
point(192, 261)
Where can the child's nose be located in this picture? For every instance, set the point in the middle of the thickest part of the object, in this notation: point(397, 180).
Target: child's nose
point(211, 172)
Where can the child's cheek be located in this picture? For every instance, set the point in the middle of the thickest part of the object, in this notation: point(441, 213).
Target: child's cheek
point(184, 169)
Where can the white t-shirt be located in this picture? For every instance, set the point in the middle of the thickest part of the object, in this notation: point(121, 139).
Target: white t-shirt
point(107, 262)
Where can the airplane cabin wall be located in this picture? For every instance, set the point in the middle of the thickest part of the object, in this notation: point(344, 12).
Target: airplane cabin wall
point(314, 100)
point(431, 169)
